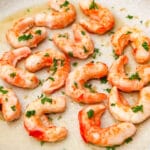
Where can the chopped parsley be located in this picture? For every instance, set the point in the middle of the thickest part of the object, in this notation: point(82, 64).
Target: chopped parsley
point(51, 78)
point(115, 55)
point(113, 104)
point(110, 148)
point(128, 32)
point(93, 5)
point(53, 68)
point(2, 90)
point(50, 39)
point(128, 140)
point(137, 108)
point(103, 80)
point(59, 117)
point(30, 113)
point(70, 54)
point(25, 37)
point(46, 55)
point(129, 17)
point(65, 4)
point(74, 64)
point(13, 108)
point(75, 84)
point(46, 99)
point(135, 77)
point(42, 143)
point(89, 86)
point(82, 32)
point(108, 90)
point(63, 35)
point(145, 46)
point(85, 50)
point(96, 52)
point(39, 32)
point(90, 113)
point(12, 75)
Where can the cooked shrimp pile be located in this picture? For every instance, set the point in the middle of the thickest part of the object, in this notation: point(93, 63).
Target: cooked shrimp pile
point(29, 32)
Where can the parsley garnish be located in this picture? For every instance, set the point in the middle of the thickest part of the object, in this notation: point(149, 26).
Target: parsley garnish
point(13, 108)
point(96, 52)
point(74, 64)
point(30, 113)
point(128, 140)
point(25, 37)
point(90, 113)
point(145, 46)
point(135, 77)
point(137, 108)
point(82, 32)
point(63, 35)
point(75, 84)
point(89, 86)
point(46, 99)
point(129, 17)
point(2, 90)
point(12, 75)
point(70, 54)
point(51, 78)
point(113, 104)
point(103, 80)
point(108, 90)
point(110, 148)
point(115, 55)
point(42, 143)
point(38, 32)
point(46, 55)
point(128, 32)
point(85, 50)
point(65, 4)
point(93, 5)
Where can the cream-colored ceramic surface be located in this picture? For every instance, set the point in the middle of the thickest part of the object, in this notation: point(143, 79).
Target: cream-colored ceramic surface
point(12, 135)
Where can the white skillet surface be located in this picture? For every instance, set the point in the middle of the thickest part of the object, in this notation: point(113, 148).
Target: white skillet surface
point(13, 135)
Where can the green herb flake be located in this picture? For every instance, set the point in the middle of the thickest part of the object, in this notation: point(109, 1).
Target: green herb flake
point(51, 78)
point(128, 140)
point(110, 148)
point(75, 84)
point(135, 77)
point(90, 113)
point(70, 54)
point(2, 90)
point(74, 64)
point(128, 32)
point(103, 80)
point(12, 75)
point(137, 108)
point(63, 93)
point(115, 55)
point(65, 4)
point(96, 53)
point(108, 90)
point(46, 55)
point(113, 104)
point(93, 5)
point(59, 117)
point(46, 99)
point(25, 37)
point(129, 17)
point(50, 39)
point(39, 32)
point(85, 50)
point(42, 143)
point(13, 108)
point(54, 67)
point(145, 46)
point(30, 113)
point(28, 10)
point(83, 32)
point(89, 86)
point(63, 35)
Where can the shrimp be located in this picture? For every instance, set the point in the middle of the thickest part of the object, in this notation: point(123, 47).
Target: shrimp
point(122, 111)
point(62, 13)
point(37, 123)
point(139, 43)
point(101, 19)
point(11, 108)
point(26, 33)
point(13, 75)
point(91, 131)
point(77, 88)
point(118, 78)
point(59, 68)
point(80, 48)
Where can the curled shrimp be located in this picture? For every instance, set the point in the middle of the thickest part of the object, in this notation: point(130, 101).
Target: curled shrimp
point(77, 88)
point(25, 33)
point(36, 122)
point(62, 13)
point(81, 47)
point(91, 131)
point(122, 111)
point(13, 75)
point(101, 19)
point(139, 43)
point(11, 108)
point(118, 78)
point(59, 68)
